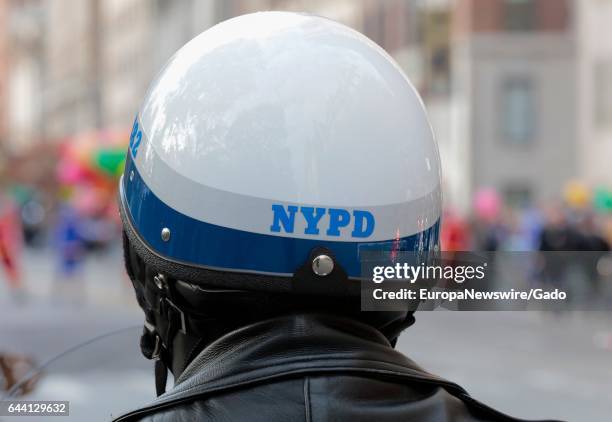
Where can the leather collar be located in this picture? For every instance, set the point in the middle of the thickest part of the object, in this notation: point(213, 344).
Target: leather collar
point(292, 345)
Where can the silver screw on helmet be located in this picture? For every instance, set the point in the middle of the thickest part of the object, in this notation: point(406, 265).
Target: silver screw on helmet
point(322, 265)
point(165, 234)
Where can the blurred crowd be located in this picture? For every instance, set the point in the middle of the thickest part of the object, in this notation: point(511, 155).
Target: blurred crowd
point(562, 244)
point(72, 215)
point(581, 221)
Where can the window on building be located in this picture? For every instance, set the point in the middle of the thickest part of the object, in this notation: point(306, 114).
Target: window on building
point(518, 114)
point(436, 40)
point(519, 15)
point(518, 196)
point(603, 94)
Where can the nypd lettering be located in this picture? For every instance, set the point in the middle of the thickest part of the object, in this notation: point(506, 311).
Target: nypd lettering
point(360, 223)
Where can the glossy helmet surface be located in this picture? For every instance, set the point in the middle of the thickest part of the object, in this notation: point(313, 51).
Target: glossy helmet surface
point(273, 135)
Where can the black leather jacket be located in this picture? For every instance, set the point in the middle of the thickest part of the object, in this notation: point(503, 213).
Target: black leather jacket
point(310, 368)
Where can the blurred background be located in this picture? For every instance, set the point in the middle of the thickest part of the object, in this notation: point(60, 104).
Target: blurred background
point(519, 93)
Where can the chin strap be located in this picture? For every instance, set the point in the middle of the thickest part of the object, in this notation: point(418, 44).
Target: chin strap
point(161, 377)
point(151, 346)
point(163, 321)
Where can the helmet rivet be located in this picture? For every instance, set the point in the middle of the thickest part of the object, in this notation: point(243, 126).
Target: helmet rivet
point(322, 265)
point(131, 175)
point(159, 280)
point(165, 234)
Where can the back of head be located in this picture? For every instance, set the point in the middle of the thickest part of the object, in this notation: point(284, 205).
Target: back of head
point(269, 153)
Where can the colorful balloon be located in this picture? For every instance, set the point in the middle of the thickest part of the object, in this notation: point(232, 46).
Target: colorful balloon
point(576, 195)
point(487, 204)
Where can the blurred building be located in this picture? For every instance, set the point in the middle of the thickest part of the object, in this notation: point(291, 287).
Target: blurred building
point(72, 67)
point(20, 73)
point(125, 58)
point(176, 22)
point(594, 99)
point(104, 53)
point(4, 45)
point(515, 97)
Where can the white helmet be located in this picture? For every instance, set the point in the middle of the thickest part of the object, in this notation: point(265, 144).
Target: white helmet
point(279, 147)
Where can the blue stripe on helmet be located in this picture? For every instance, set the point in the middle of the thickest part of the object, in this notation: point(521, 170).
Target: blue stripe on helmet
point(199, 243)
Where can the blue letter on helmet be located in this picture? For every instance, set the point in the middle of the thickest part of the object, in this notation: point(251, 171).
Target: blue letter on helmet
point(364, 223)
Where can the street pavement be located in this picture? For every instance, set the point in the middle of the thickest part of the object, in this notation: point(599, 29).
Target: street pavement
point(527, 364)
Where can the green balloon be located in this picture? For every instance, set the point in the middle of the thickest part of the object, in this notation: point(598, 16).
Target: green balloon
point(603, 199)
point(110, 161)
